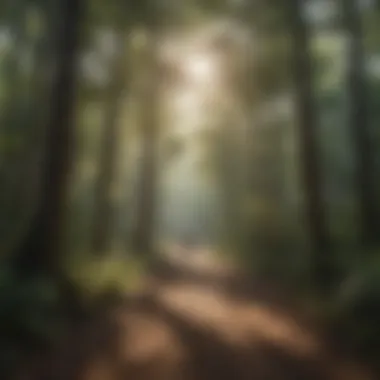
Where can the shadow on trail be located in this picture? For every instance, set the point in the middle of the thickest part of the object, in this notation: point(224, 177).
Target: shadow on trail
point(190, 325)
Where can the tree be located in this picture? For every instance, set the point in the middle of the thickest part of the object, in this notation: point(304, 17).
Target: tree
point(103, 216)
point(265, 85)
point(310, 155)
point(365, 170)
point(40, 250)
point(143, 233)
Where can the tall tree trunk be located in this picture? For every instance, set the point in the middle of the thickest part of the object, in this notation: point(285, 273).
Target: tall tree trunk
point(32, 114)
point(104, 210)
point(144, 228)
point(310, 155)
point(359, 123)
point(40, 251)
point(231, 172)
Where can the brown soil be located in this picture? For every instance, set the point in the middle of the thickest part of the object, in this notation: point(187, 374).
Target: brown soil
point(198, 327)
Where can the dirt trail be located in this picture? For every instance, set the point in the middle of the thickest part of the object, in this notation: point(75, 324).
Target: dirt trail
point(187, 325)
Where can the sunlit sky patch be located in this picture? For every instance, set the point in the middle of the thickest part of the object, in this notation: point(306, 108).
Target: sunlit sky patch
point(200, 81)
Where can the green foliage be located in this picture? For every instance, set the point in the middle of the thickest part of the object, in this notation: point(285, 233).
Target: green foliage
point(30, 318)
point(114, 272)
point(28, 307)
point(356, 305)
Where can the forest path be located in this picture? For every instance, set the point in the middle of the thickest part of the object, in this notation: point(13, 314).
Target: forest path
point(197, 319)
point(200, 261)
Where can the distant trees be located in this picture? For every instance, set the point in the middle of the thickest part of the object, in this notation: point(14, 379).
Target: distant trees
point(268, 160)
point(108, 156)
point(143, 229)
point(266, 77)
point(359, 124)
point(307, 129)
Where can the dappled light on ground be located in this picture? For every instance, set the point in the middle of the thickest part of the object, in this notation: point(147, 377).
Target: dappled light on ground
point(237, 321)
point(189, 329)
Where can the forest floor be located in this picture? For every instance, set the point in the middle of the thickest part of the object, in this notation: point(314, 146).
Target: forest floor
point(195, 318)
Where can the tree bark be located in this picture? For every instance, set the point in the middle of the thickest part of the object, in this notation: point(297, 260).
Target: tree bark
point(144, 228)
point(360, 129)
point(104, 209)
point(40, 251)
point(310, 154)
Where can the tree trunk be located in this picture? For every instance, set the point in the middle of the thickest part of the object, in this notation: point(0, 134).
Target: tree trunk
point(104, 209)
point(40, 251)
point(359, 123)
point(143, 233)
point(231, 171)
point(310, 155)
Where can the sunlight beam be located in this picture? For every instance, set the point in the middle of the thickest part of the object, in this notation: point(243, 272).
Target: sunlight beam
point(201, 68)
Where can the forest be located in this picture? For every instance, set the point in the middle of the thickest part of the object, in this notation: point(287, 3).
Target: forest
point(190, 189)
